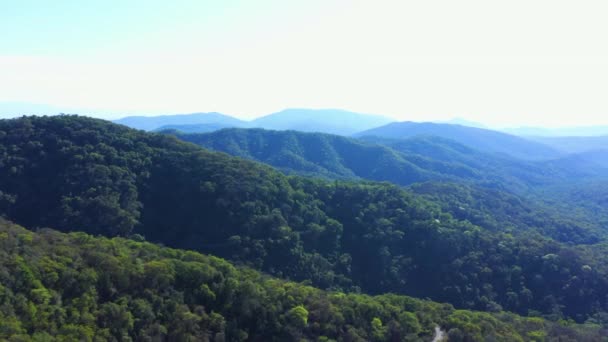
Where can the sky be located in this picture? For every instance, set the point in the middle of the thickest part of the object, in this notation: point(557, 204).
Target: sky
point(501, 63)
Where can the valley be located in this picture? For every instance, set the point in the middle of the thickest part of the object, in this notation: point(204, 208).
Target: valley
point(422, 216)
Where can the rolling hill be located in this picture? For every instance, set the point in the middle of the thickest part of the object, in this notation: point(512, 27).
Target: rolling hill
point(482, 139)
point(89, 175)
point(504, 184)
point(501, 170)
point(402, 162)
point(326, 155)
point(76, 287)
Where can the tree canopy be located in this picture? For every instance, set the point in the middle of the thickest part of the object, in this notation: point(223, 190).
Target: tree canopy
point(76, 287)
point(80, 174)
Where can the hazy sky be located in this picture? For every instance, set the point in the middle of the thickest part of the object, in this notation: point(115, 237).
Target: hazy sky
point(502, 63)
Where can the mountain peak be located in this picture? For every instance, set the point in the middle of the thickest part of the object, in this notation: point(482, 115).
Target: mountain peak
point(335, 121)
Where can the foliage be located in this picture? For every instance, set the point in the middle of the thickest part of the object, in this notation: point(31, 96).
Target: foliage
point(494, 177)
point(323, 155)
point(400, 161)
point(74, 173)
point(502, 211)
point(74, 287)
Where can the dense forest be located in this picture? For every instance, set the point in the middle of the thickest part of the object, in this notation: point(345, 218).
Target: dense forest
point(83, 174)
point(399, 161)
point(487, 189)
point(75, 287)
point(495, 209)
point(325, 155)
point(303, 171)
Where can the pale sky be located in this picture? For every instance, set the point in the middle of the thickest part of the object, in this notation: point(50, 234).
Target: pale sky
point(502, 63)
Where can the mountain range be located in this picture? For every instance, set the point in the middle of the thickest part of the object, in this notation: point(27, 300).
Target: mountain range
point(326, 121)
point(449, 219)
point(574, 144)
point(102, 178)
point(375, 127)
point(400, 161)
point(150, 123)
point(581, 131)
point(483, 139)
point(409, 161)
point(309, 120)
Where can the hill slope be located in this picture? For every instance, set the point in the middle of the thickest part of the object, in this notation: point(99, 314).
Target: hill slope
point(501, 170)
point(415, 160)
point(326, 155)
point(78, 173)
point(482, 139)
point(60, 287)
point(398, 161)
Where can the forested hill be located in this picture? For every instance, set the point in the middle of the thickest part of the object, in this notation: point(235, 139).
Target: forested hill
point(484, 139)
point(326, 155)
point(501, 170)
point(503, 211)
point(91, 175)
point(60, 287)
point(401, 162)
point(490, 205)
point(333, 121)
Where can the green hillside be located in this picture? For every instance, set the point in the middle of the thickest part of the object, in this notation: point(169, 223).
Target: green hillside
point(399, 161)
point(325, 155)
point(75, 173)
point(75, 287)
point(498, 181)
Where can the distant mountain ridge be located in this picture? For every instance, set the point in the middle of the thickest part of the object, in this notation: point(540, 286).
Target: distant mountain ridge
point(150, 123)
point(195, 128)
point(326, 155)
point(579, 131)
point(580, 144)
point(402, 162)
point(335, 121)
point(484, 140)
point(463, 122)
point(493, 185)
